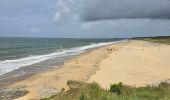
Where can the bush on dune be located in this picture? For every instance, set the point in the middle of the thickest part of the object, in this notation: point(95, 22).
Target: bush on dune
point(93, 91)
point(116, 88)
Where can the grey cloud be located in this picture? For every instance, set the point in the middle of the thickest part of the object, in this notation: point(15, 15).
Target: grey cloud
point(124, 9)
point(128, 27)
point(119, 18)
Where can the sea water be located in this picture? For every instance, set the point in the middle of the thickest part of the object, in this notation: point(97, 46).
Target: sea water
point(18, 52)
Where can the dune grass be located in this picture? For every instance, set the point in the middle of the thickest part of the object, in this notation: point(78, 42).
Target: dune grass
point(159, 39)
point(93, 91)
point(164, 40)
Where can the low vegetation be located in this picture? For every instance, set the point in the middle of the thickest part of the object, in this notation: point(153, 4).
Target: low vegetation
point(93, 91)
point(159, 39)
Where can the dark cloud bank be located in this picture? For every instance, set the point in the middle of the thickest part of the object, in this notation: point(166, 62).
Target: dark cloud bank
point(119, 18)
point(94, 10)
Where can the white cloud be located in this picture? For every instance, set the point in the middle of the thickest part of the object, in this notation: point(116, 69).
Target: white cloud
point(57, 17)
point(67, 11)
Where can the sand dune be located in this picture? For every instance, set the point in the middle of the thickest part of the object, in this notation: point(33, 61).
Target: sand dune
point(136, 63)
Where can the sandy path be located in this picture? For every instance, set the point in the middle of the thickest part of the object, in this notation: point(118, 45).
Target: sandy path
point(138, 63)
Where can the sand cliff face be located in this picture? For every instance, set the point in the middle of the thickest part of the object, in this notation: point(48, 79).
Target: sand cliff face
point(133, 62)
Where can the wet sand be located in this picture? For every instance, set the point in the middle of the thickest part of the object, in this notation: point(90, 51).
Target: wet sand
point(136, 63)
point(28, 71)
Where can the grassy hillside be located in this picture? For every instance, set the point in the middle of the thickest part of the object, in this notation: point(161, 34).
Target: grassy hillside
point(85, 91)
point(159, 39)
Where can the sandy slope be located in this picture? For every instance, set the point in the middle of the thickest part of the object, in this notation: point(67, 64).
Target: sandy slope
point(138, 63)
point(132, 62)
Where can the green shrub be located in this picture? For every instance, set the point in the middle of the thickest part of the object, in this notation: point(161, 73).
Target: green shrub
point(116, 88)
point(82, 97)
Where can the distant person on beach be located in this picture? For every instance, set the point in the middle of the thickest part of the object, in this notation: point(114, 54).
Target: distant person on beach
point(77, 62)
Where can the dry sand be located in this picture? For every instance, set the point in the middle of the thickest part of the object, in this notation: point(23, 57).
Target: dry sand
point(48, 83)
point(138, 63)
point(133, 63)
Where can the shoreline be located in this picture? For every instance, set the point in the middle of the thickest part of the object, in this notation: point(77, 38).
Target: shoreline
point(47, 60)
point(14, 76)
point(30, 70)
point(55, 79)
point(104, 67)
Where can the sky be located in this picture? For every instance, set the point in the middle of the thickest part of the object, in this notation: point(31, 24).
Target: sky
point(84, 18)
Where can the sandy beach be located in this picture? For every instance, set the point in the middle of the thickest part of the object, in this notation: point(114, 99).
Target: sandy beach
point(135, 63)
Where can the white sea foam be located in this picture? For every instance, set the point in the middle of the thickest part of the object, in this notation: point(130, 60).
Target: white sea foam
point(10, 65)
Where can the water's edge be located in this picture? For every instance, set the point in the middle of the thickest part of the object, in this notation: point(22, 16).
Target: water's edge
point(53, 62)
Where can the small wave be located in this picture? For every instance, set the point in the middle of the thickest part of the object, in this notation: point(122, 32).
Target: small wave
point(10, 65)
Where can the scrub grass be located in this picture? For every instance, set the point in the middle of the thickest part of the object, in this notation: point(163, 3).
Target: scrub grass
point(93, 91)
point(159, 39)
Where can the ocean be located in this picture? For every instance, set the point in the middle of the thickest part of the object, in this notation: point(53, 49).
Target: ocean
point(42, 53)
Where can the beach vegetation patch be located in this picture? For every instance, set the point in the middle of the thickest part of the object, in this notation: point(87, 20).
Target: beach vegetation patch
point(158, 39)
point(93, 91)
point(116, 88)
